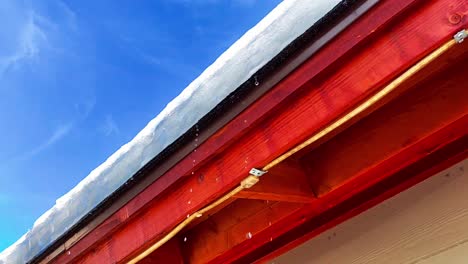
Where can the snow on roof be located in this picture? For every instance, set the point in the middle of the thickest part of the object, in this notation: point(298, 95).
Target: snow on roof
point(253, 50)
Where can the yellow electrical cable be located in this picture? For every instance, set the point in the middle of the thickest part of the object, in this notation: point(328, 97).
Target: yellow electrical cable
point(252, 180)
point(365, 105)
point(245, 184)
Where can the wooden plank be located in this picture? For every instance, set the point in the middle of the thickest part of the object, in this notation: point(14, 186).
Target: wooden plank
point(440, 99)
point(453, 137)
point(420, 225)
point(287, 182)
point(237, 223)
point(371, 150)
point(315, 105)
point(305, 224)
point(358, 32)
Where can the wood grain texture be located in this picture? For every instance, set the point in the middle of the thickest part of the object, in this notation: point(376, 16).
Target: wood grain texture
point(439, 100)
point(359, 202)
point(374, 160)
point(425, 224)
point(236, 223)
point(286, 182)
point(305, 100)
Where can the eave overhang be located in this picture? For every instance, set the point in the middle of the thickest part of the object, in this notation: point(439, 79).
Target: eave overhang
point(373, 156)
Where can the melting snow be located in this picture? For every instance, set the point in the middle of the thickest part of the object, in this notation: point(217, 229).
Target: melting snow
point(258, 46)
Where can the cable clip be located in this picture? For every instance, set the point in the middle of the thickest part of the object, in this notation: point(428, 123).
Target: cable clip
point(257, 172)
point(460, 36)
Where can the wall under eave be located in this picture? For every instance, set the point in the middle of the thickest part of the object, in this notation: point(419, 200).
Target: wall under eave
point(426, 224)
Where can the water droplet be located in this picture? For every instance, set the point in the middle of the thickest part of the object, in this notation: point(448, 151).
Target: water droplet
point(185, 239)
point(193, 172)
point(271, 239)
point(245, 121)
point(249, 235)
point(189, 202)
point(188, 215)
point(196, 134)
point(256, 81)
point(269, 223)
point(196, 140)
point(191, 190)
point(68, 253)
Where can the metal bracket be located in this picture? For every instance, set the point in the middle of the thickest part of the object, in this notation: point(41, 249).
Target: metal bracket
point(257, 172)
point(460, 36)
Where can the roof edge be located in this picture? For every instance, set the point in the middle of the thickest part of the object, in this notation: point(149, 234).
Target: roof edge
point(293, 55)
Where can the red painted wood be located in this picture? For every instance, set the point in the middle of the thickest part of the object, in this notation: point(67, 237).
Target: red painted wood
point(358, 32)
point(286, 182)
point(308, 230)
point(317, 99)
point(441, 99)
point(372, 151)
point(169, 253)
point(234, 224)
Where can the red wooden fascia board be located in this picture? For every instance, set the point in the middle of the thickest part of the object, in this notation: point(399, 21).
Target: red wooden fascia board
point(383, 152)
point(305, 227)
point(216, 174)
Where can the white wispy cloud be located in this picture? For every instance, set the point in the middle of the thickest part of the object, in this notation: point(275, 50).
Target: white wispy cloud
point(30, 36)
point(27, 34)
point(109, 126)
point(70, 15)
point(59, 133)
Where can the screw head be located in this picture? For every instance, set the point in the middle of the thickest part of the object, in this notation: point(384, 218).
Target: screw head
point(455, 19)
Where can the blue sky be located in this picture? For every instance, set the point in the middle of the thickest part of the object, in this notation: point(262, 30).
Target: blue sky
point(80, 78)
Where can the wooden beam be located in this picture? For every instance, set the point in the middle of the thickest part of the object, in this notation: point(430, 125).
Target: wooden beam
point(424, 131)
point(236, 223)
point(306, 100)
point(343, 43)
point(439, 100)
point(286, 182)
point(360, 201)
point(375, 153)
point(420, 225)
